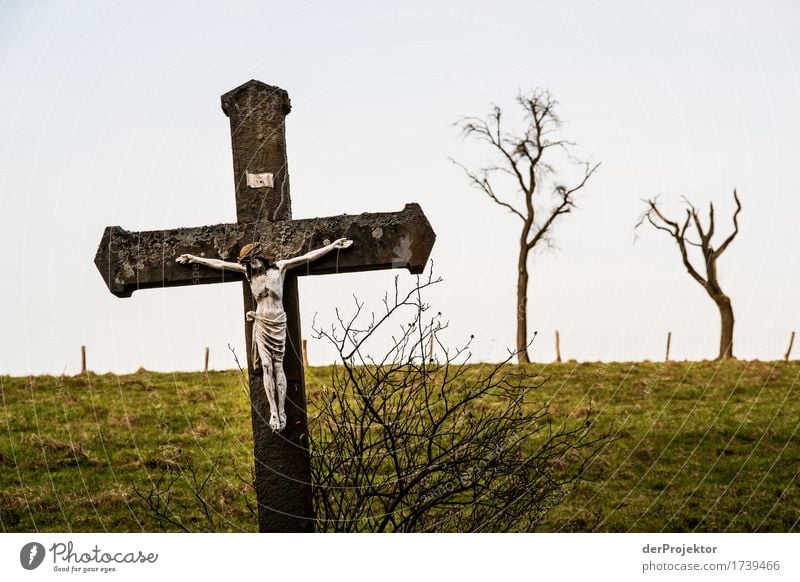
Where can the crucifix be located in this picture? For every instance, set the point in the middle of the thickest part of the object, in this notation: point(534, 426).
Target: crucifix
point(129, 261)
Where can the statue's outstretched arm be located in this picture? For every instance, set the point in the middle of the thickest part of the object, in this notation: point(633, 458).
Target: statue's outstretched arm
point(213, 263)
point(341, 243)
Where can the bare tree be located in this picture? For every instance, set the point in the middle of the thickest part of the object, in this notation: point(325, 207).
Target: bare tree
point(403, 443)
point(529, 159)
point(710, 282)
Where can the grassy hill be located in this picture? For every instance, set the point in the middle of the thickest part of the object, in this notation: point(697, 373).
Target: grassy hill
point(702, 446)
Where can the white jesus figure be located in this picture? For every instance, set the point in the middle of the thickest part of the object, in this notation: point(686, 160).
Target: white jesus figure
point(269, 319)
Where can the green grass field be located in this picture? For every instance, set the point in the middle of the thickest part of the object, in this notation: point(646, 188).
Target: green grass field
point(701, 446)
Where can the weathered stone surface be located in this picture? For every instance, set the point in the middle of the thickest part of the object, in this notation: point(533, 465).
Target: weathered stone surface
point(129, 261)
point(257, 111)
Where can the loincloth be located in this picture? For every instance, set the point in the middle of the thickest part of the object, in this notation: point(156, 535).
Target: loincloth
point(269, 333)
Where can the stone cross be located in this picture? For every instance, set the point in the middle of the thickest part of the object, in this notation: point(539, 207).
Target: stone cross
point(129, 261)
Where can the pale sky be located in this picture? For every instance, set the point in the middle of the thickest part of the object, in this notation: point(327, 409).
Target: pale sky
point(111, 116)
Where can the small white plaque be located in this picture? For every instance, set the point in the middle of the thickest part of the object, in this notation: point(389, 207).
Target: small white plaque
point(259, 180)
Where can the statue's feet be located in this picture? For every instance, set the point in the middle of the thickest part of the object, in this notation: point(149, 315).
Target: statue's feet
point(275, 423)
point(282, 419)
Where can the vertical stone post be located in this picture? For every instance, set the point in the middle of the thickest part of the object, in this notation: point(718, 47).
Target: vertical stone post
point(283, 470)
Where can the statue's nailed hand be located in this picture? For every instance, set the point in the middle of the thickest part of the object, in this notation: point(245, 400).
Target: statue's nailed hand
point(185, 259)
point(342, 243)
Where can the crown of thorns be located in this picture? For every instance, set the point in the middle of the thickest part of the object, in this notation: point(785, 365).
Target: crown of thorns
point(249, 251)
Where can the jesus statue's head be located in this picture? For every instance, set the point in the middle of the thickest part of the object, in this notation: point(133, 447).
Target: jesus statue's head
point(253, 260)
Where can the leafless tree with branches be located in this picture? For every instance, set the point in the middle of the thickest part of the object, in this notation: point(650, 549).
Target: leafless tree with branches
point(710, 282)
point(529, 159)
point(401, 442)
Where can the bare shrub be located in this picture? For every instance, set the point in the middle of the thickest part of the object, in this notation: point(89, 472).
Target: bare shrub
point(403, 442)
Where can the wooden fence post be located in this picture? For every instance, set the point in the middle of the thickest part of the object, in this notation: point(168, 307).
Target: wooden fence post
point(305, 353)
point(205, 367)
point(669, 341)
point(83, 359)
point(789, 350)
point(558, 348)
